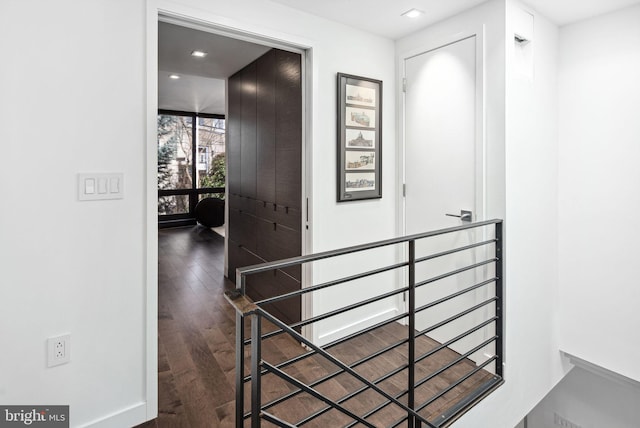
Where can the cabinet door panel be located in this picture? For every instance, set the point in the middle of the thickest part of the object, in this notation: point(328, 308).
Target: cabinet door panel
point(266, 126)
point(248, 131)
point(288, 185)
point(276, 242)
point(269, 284)
point(235, 254)
point(233, 146)
point(264, 235)
point(288, 129)
point(267, 211)
point(248, 234)
point(247, 205)
point(289, 217)
point(242, 229)
point(235, 226)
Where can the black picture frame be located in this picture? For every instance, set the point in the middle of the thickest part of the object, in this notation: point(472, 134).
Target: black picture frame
point(359, 138)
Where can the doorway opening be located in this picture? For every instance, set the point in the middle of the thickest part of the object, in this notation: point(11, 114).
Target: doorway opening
point(202, 102)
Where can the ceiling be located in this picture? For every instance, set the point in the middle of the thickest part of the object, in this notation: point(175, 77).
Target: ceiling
point(382, 17)
point(201, 85)
point(564, 12)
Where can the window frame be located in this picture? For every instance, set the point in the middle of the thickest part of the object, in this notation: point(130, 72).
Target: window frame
point(188, 218)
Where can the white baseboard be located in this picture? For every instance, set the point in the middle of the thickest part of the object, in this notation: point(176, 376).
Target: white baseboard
point(601, 371)
point(361, 324)
point(129, 417)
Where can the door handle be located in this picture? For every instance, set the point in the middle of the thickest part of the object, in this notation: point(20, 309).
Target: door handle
point(464, 215)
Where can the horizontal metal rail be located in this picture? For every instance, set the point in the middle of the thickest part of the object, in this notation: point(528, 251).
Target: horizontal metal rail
point(331, 283)
point(456, 294)
point(312, 320)
point(336, 373)
point(339, 311)
point(339, 341)
point(454, 251)
point(456, 361)
point(456, 316)
point(433, 351)
point(294, 261)
point(284, 376)
point(412, 418)
point(275, 420)
point(338, 363)
point(455, 272)
point(456, 383)
point(455, 339)
point(367, 274)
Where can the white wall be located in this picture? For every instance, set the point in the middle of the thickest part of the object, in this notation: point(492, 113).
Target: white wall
point(491, 16)
point(589, 401)
point(531, 181)
point(74, 99)
point(521, 122)
point(599, 197)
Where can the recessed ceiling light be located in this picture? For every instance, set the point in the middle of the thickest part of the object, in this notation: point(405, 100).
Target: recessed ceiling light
point(199, 54)
point(413, 13)
point(174, 76)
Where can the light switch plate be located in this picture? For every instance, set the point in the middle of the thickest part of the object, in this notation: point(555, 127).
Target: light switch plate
point(100, 186)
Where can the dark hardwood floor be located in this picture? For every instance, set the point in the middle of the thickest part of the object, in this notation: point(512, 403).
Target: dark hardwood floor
point(196, 355)
point(196, 331)
point(279, 349)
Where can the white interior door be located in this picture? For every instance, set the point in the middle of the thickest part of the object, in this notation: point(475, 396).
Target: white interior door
point(443, 174)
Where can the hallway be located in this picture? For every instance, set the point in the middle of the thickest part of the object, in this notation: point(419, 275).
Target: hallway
point(196, 330)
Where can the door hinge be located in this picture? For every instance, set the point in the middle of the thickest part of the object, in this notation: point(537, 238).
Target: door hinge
point(404, 84)
point(404, 189)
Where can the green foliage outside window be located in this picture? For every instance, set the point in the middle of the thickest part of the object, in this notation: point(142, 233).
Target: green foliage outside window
point(216, 176)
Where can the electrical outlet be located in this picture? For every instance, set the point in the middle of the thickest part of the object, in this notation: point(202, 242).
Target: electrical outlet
point(563, 422)
point(58, 350)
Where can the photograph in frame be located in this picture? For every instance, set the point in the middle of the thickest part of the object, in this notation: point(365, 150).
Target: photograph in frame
point(359, 160)
point(359, 145)
point(360, 117)
point(360, 95)
point(360, 139)
point(360, 182)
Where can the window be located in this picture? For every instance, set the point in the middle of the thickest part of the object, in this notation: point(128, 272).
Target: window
point(191, 162)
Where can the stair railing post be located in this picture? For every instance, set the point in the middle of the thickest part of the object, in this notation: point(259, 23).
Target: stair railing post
point(240, 323)
point(412, 330)
point(256, 367)
point(500, 301)
point(239, 370)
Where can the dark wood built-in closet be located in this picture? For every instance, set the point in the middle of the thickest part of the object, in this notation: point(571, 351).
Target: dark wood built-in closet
point(264, 137)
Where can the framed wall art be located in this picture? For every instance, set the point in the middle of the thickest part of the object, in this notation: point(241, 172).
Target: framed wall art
point(359, 138)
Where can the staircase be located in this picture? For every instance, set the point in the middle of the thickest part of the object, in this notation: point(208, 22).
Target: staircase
point(424, 366)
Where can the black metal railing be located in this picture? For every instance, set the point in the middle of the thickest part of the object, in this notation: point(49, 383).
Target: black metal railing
point(465, 324)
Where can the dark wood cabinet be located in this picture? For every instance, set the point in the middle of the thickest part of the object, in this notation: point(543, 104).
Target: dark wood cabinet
point(265, 174)
point(288, 130)
point(248, 132)
point(266, 125)
point(234, 88)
